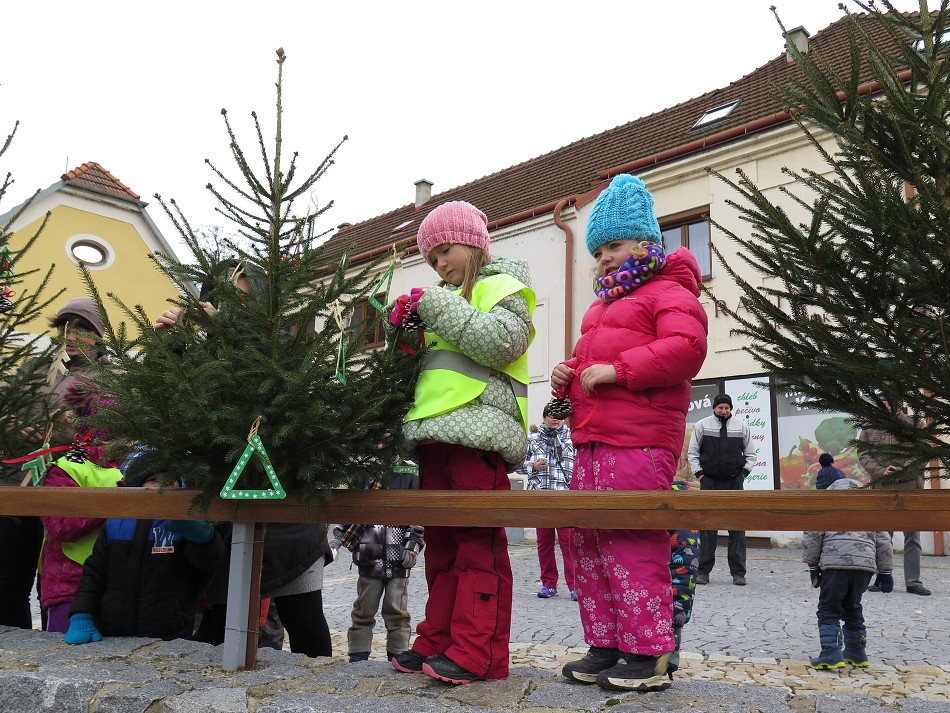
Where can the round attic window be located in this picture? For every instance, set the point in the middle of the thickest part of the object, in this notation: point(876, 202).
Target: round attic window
point(90, 250)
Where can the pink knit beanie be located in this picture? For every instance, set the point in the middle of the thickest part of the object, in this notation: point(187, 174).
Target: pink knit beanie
point(453, 222)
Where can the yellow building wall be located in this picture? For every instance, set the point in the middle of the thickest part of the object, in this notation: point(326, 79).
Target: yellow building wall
point(132, 276)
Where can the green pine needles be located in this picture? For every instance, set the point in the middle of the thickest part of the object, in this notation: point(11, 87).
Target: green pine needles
point(192, 392)
point(23, 363)
point(854, 311)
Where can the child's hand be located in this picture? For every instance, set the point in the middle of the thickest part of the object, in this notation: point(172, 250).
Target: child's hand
point(169, 318)
point(815, 573)
point(561, 377)
point(82, 630)
point(597, 374)
point(886, 582)
point(398, 314)
point(409, 559)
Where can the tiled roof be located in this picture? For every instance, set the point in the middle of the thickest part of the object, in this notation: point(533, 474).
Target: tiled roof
point(92, 175)
point(573, 169)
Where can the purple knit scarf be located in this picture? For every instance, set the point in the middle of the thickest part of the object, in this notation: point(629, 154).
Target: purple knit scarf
point(633, 273)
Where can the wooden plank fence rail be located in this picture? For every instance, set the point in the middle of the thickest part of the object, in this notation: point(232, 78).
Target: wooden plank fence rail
point(911, 510)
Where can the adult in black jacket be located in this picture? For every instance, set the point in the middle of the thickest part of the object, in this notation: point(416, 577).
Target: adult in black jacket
point(721, 455)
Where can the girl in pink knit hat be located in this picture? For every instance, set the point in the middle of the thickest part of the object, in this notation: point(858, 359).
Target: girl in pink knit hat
point(467, 431)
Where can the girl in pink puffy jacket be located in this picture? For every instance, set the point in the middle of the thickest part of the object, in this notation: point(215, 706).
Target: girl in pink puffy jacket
point(641, 343)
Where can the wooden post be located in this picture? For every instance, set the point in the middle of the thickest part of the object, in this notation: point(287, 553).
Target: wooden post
point(254, 607)
point(234, 655)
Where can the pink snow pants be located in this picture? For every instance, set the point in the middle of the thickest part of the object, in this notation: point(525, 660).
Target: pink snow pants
point(623, 576)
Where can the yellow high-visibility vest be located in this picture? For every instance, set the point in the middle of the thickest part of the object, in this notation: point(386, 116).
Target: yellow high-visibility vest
point(87, 475)
point(449, 379)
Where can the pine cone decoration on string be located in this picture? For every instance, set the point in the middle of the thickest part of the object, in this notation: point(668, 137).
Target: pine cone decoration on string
point(559, 407)
point(413, 323)
point(6, 304)
point(77, 453)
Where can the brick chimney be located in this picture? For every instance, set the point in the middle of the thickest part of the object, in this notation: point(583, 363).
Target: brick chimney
point(423, 192)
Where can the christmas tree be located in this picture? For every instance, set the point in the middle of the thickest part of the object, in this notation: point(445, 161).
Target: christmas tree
point(854, 311)
point(283, 350)
point(22, 362)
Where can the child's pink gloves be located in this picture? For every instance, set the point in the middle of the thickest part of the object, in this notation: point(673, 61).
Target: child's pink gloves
point(403, 315)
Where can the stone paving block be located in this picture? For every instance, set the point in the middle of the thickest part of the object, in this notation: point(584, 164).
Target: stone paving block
point(569, 696)
point(179, 648)
point(269, 675)
point(135, 700)
point(19, 641)
point(739, 697)
point(916, 705)
point(100, 674)
point(849, 702)
point(326, 703)
point(38, 693)
point(212, 700)
point(503, 695)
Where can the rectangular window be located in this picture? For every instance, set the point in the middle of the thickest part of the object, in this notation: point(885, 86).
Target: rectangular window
point(690, 230)
point(366, 327)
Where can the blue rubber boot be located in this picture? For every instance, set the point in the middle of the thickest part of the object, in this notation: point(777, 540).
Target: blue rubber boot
point(854, 647)
point(830, 657)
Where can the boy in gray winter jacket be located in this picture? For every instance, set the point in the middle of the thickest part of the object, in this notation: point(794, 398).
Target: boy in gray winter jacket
point(841, 564)
point(383, 555)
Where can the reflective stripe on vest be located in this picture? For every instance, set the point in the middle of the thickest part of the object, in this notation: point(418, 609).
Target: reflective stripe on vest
point(450, 379)
point(86, 475)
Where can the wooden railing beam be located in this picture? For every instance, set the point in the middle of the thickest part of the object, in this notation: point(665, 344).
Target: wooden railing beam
point(724, 510)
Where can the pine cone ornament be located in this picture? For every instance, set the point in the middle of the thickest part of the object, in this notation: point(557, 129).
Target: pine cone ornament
point(77, 453)
point(559, 407)
point(413, 323)
point(6, 304)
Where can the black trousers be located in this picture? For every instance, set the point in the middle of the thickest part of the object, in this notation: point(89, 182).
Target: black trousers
point(708, 538)
point(839, 599)
point(20, 541)
point(301, 614)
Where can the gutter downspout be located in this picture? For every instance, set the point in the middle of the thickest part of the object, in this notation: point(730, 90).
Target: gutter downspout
point(568, 274)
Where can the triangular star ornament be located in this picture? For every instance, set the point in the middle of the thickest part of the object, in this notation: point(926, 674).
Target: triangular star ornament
point(276, 492)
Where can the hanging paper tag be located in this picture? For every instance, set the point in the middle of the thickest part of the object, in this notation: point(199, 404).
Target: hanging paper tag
point(341, 352)
point(274, 493)
point(402, 466)
point(37, 466)
point(384, 284)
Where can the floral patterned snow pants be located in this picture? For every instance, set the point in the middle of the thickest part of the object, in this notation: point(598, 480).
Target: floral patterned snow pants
point(623, 576)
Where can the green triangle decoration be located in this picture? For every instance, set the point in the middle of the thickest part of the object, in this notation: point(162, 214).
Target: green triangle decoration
point(275, 493)
point(39, 465)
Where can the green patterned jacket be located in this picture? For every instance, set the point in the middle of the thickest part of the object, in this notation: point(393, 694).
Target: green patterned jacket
point(493, 339)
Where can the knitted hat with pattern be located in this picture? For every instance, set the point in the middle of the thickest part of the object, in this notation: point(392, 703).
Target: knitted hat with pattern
point(453, 222)
point(623, 211)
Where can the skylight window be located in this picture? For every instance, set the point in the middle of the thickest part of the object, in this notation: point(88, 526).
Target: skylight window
point(717, 114)
point(402, 226)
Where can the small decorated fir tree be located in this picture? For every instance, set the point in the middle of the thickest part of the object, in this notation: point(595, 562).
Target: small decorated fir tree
point(284, 350)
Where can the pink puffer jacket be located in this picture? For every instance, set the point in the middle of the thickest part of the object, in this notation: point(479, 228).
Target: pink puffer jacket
point(655, 337)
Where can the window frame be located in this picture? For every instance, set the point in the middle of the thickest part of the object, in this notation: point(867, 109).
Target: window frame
point(361, 311)
point(683, 220)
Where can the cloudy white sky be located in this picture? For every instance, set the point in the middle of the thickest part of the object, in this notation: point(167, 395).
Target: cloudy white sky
point(447, 91)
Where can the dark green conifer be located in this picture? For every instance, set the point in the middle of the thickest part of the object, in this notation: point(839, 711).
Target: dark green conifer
point(855, 311)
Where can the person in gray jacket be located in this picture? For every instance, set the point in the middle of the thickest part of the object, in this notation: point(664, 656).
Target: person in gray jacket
point(841, 565)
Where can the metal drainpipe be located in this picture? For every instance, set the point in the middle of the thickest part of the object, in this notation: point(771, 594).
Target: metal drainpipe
point(568, 274)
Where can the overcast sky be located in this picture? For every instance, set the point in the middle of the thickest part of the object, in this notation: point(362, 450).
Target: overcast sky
point(447, 91)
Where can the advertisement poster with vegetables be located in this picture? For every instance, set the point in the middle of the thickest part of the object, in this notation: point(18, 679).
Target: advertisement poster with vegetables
point(804, 434)
point(752, 404)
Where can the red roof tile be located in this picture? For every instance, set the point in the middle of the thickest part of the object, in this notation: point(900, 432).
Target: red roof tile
point(92, 175)
point(573, 169)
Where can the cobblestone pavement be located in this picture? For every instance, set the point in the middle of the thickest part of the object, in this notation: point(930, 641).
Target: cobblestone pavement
point(745, 650)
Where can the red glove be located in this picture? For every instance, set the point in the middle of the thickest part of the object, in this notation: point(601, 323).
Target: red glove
point(398, 315)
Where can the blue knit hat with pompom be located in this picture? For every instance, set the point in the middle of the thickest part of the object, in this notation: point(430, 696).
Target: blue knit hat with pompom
point(623, 211)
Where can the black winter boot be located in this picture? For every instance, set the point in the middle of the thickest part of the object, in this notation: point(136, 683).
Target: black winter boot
point(854, 647)
point(585, 670)
point(830, 657)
